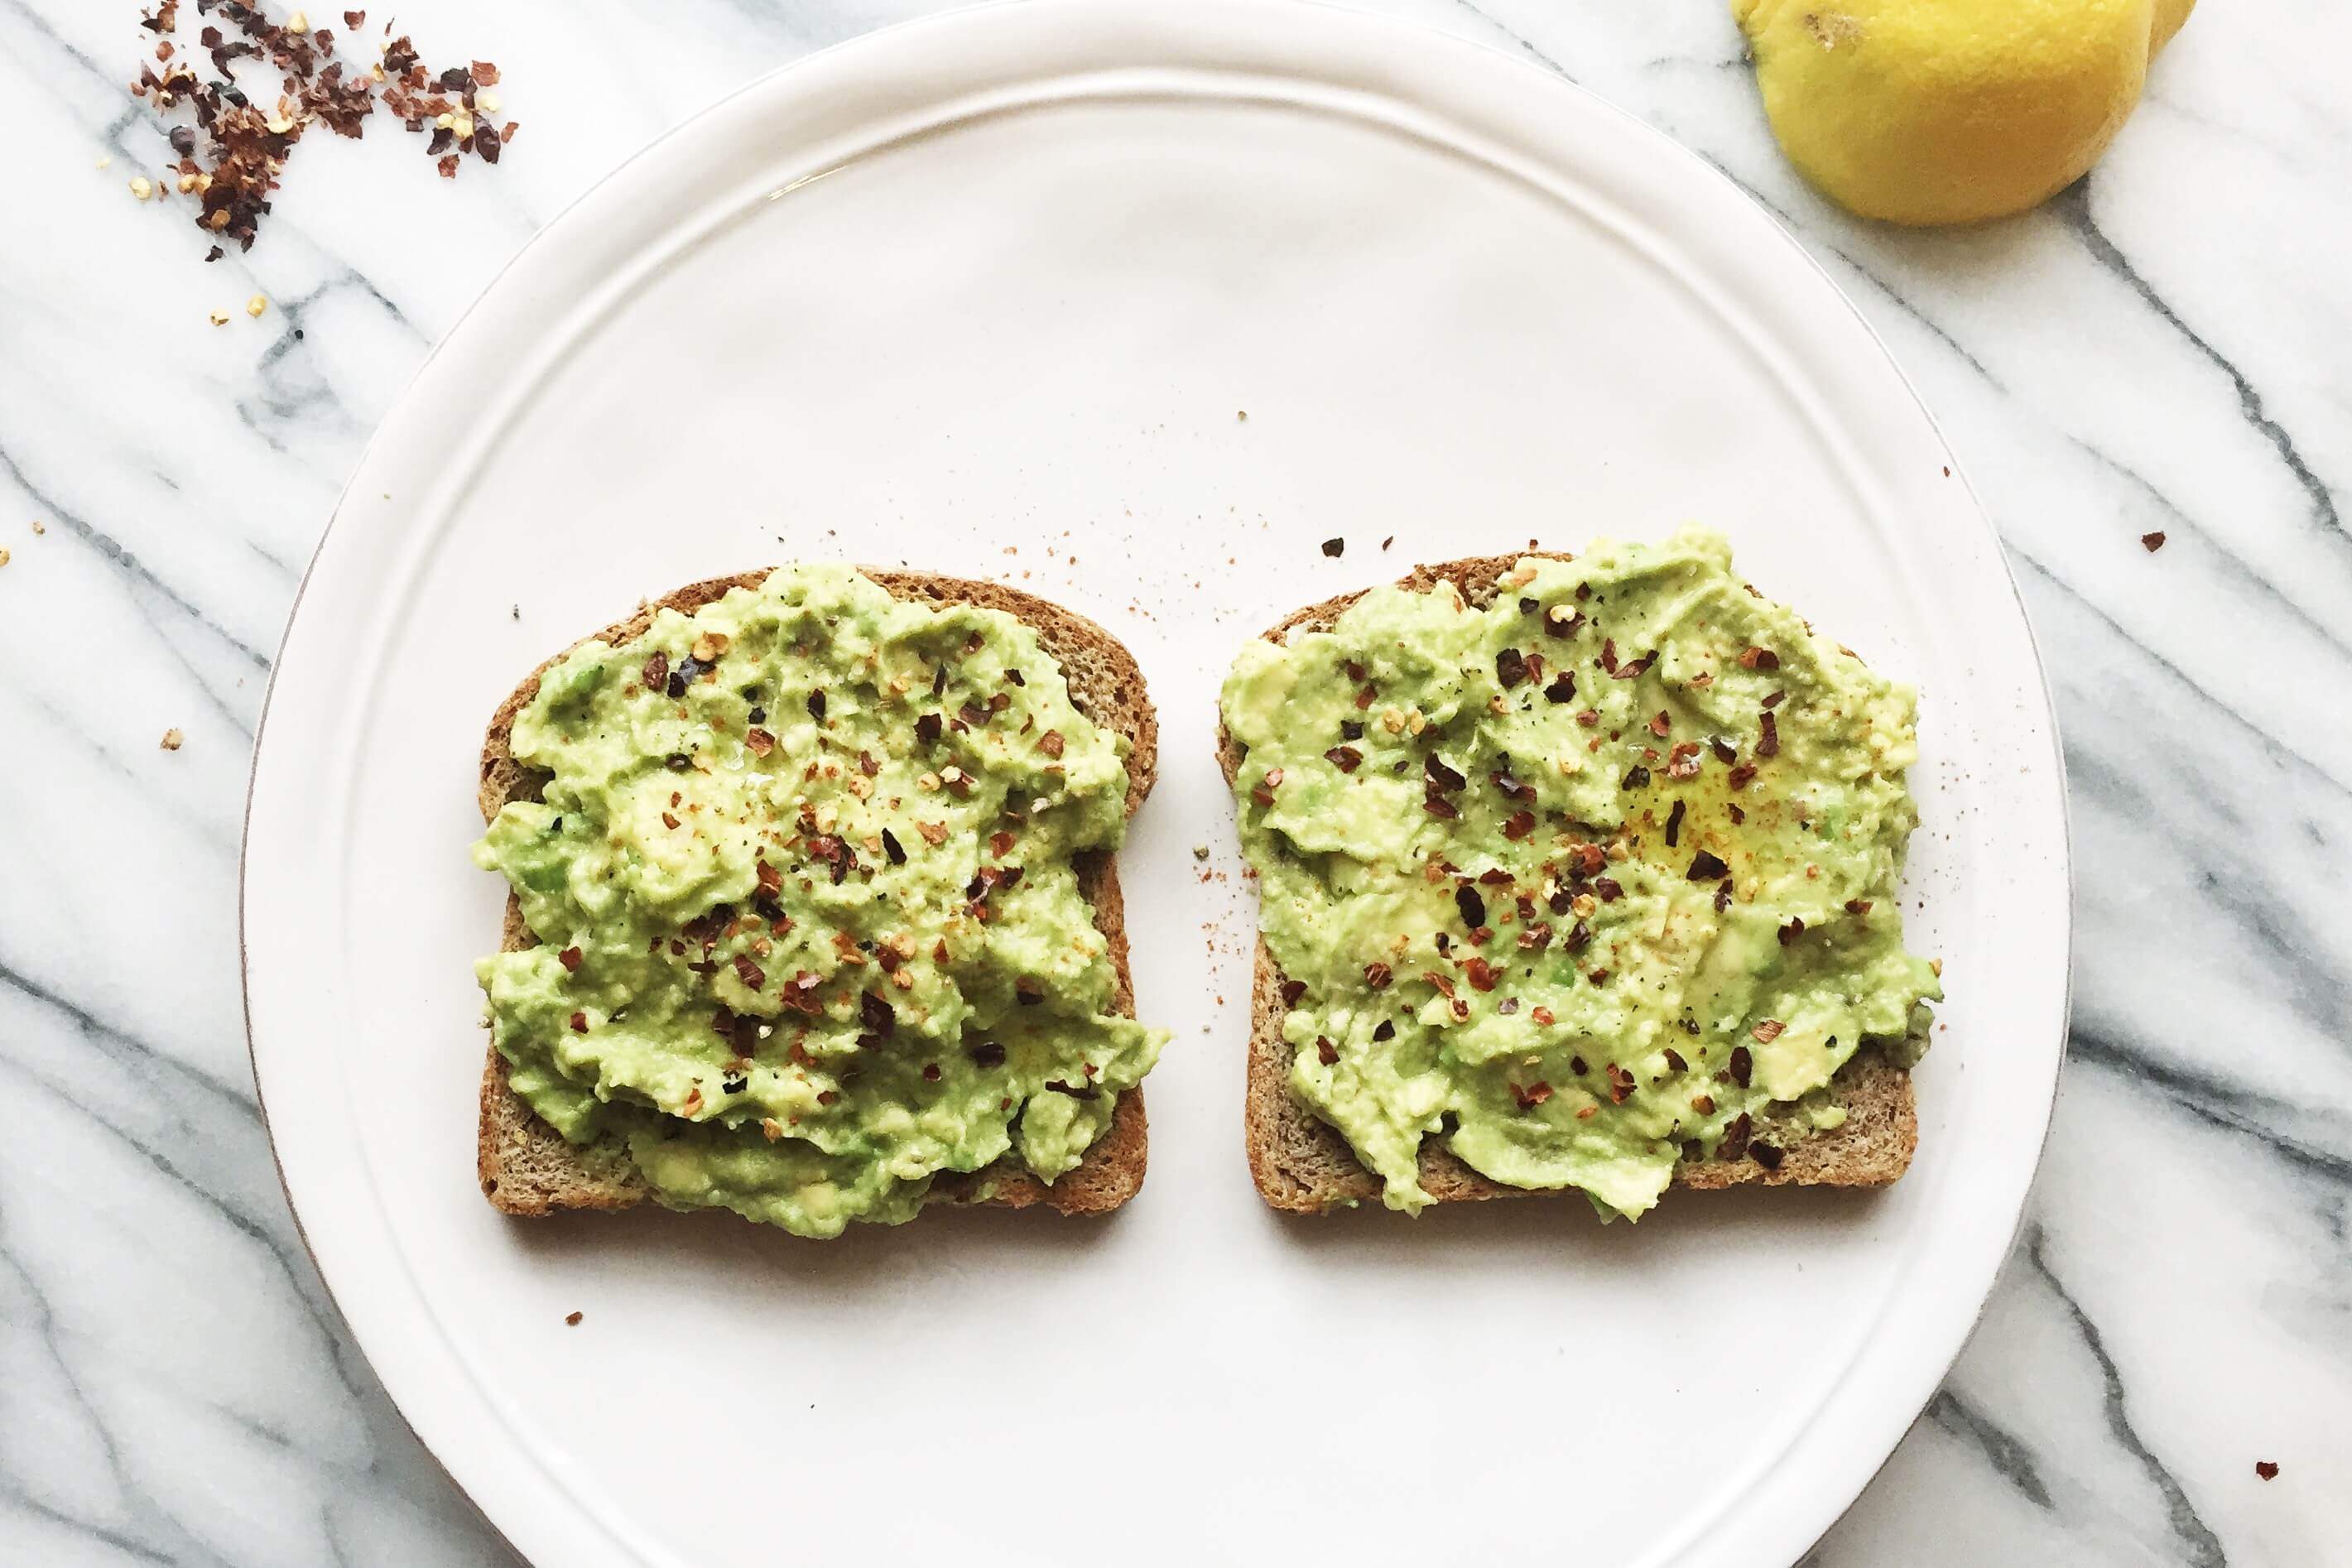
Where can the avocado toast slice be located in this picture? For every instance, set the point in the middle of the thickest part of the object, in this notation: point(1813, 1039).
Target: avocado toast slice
point(1303, 1164)
point(526, 1167)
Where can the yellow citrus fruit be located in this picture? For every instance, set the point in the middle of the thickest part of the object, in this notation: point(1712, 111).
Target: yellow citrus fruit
point(1935, 111)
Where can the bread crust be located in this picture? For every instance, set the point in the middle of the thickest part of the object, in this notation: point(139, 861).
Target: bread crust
point(1303, 1164)
point(526, 1167)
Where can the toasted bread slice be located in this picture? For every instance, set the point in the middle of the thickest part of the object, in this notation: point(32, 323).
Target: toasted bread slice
point(1303, 1164)
point(527, 1168)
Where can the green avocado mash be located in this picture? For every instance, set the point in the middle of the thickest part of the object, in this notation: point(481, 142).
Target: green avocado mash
point(1581, 882)
point(810, 929)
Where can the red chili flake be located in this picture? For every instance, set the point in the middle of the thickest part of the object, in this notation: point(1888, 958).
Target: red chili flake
point(1857, 907)
point(1000, 844)
point(771, 880)
point(753, 978)
point(1754, 658)
point(1674, 1062)
point(1722, 896)
point(579, 1022)
point(972, 717)
point(866, 765)
point(569, 959)
point(1027, 992)
point(2265, 1469)
point(1440, 807)
point(1513, 789)
point(758, 741)
point(1609, 655)
point(2152, 542)
point(1773, 700)
point(655, 673)
point(1609, 888)
point(1520, 824)
point(1439, 778)
point(1542, 1016)
point(1705, 867)
point(1444, 988)
point(934, 833)
point(1737, 815)
point(1535, 1094)
point(828, 1097)
point(1620, 1083)
point(1683, 763)
point(668, 821)
point(1723, 749)
point(1661, 724)
point(1292, 990)
point(1587, 858)
point(1562, 687)
point(1324, 1051)
point(879, 1017)
point(928, 726)
point(1768, 744)
point(1051, 743)
point(1344, 758)
point(1264, 792)
point(1377, 976)
point(1510, 667)
point(1480, 974)
point(1562, 621)
point(1793, 931)
point(1735, 1138)
point(1355, 670)
point(1767, 1031)
point(1674, 825)
point(1364, 698)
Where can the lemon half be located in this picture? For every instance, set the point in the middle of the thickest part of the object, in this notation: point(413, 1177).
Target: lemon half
point(1941, 112)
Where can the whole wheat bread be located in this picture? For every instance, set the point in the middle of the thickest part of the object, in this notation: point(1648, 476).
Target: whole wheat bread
point(527, 1168)
point(1301, 1163)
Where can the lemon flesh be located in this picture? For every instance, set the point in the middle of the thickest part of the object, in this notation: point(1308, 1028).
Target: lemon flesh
point(1945, 111)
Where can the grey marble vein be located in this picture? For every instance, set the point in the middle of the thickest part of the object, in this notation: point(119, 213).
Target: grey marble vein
point(2202, 1547)
point(2073, 205)
point(2003, 1450)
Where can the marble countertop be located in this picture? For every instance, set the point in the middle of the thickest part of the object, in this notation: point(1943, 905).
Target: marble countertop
point(2163, 349)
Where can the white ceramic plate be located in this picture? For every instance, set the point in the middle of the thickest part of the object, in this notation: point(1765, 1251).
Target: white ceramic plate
point(989, 294)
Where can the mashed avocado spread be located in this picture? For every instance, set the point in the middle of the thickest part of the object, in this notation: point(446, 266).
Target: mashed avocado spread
point(810, 925)
point(1581, 882)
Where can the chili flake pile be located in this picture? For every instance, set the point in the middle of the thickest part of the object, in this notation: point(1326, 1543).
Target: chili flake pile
point(231, 159)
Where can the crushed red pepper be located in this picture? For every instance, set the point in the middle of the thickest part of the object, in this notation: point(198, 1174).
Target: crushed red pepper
point(232, 158)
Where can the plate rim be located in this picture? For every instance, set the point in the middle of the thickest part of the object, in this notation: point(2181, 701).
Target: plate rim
point(1203, 18)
